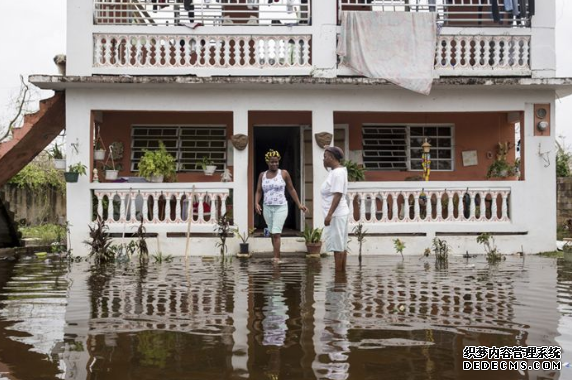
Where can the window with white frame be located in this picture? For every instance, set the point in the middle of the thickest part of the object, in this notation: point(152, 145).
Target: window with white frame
point(188, 144)
point(398, 147)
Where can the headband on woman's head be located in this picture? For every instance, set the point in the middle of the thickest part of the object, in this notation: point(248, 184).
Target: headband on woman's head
point(271, 154)
point(336, 151)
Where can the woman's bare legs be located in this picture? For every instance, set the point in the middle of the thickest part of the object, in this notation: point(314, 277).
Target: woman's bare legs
point(276, 245)
point(340, 259)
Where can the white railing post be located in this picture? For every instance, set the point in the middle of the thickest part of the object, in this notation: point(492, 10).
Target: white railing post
point(416, 206)
point(362, 207)
point(384, 209)
point(494, 206)
point(504, 206)
point(145, 208)
point(99, 197)
point(351, 196)
point(428, 207)
point(133, 209)
point(394, 206)
point(373, 208)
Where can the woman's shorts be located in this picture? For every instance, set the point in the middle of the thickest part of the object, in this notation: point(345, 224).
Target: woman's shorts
point(275, 216)
point(337, 234)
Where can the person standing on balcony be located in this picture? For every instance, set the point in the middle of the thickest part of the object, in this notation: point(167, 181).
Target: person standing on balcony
point(273, 183)
point(335, 206)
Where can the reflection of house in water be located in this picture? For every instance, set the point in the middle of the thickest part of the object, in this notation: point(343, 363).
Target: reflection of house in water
point(299, 320)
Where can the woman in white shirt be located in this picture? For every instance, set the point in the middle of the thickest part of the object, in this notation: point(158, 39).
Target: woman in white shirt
point(273, 183)
point(335, 206)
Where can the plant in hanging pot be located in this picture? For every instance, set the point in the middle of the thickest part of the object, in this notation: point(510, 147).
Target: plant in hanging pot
point(99, 152)
point(244, 249)
point(111, 172)
point(503, 169)
point(74, 171)
point(313, 238)
point(157, 165)
point(58, 157)
point(207, 165)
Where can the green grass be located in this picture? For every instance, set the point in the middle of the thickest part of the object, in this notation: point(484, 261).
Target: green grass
point(47, 233)
point(554, 254)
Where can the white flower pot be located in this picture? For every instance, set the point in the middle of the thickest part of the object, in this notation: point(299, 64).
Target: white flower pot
point(210, 170)
point(99, 155)
point(111, 175)
point(60, 164)
point(156, 178)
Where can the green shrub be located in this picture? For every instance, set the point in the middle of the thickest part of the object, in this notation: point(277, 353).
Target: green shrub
point(39, 176)
point(47, 233)
point(355, 172)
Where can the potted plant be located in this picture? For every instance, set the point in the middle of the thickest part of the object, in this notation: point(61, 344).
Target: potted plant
point(503, 169)
point(99, 152)
point(207, 165)
point(244, 238)
point(157, 165)
point(58, 157)
point(111, 172)
point(313, 238)
point(74, 171)
point(355, 172)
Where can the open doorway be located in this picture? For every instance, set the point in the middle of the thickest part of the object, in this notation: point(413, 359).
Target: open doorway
point(286, 140)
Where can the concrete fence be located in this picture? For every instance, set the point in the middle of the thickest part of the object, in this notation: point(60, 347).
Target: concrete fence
point(564, 199)
point(33, 208)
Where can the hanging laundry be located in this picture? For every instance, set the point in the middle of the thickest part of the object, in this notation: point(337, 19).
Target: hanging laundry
point(495, 10)
point(432, 5)
point(515, 7)
point(155, 7)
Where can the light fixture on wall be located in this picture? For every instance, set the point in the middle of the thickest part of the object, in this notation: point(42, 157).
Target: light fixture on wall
point(542, 126)
point(542, 119)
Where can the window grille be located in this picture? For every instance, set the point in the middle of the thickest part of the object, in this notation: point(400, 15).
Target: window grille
point(399, 147)
point(188, 144)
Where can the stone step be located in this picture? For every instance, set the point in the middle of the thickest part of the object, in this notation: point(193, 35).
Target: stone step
point(283, 255)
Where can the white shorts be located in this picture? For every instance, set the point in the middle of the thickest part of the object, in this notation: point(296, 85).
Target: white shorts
point(337, 234)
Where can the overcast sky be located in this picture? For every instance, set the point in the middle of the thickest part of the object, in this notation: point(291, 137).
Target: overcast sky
point(34, 31)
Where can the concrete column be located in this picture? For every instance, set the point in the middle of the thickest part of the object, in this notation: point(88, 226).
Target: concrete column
point(538, 203)
point(239, 358)
point(240, 196)
point(78, 148)
point(324, 23)
point(78, 313)
point(79, 37)
point(322, 121)
point(543, 40)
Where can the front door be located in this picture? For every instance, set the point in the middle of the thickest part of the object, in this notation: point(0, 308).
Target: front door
point(286, 140)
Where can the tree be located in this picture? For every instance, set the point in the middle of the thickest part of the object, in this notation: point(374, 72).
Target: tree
point(22, 101)
point(563, 161)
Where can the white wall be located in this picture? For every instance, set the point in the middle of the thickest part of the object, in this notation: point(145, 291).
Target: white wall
point(534, 204)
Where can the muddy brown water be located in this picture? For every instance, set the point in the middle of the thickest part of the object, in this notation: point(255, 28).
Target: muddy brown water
point(234, 319)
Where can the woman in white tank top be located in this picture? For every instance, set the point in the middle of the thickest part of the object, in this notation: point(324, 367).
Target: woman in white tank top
point(273, 183)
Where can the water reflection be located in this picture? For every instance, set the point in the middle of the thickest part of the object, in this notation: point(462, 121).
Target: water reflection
point(296, 320)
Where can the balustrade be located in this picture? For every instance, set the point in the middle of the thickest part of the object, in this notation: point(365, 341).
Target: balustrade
point(429, 205)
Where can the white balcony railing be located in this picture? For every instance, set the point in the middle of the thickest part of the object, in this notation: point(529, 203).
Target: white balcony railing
point(202, 51)
point(117, 204)
point(203, 12)
point(378, 205)
point(450, 13)
point(483, 55)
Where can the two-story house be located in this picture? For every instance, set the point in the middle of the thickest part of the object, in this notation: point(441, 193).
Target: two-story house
point(203, 76)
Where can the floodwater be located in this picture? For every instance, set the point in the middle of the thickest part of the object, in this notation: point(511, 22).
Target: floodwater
point(234, 319)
